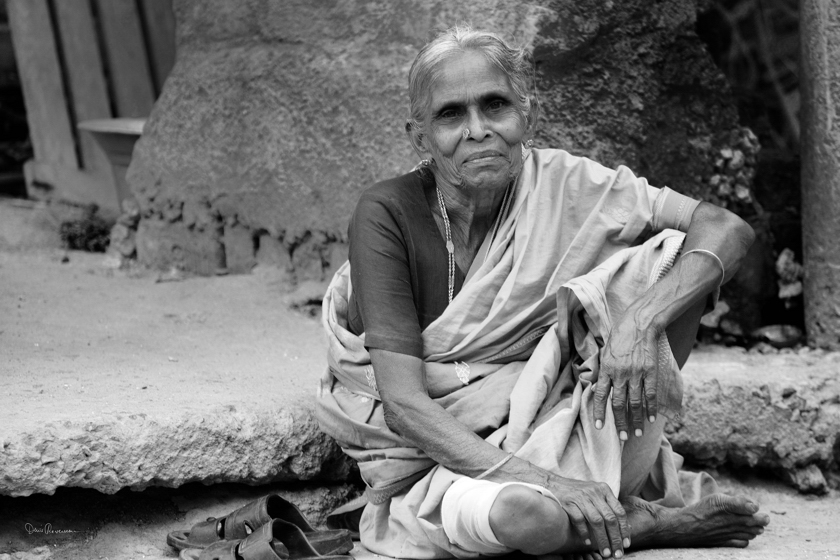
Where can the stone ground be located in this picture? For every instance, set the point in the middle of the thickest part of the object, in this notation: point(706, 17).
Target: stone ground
point(85, 345)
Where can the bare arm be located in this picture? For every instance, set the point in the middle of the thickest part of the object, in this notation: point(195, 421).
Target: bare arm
point(410, 412)
point(629, 359)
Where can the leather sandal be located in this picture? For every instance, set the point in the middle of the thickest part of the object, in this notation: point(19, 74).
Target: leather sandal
point(276, 540)
point(246, 520)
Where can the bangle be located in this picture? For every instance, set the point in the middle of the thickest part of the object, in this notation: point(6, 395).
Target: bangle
point(717, 258)
point(495, 467)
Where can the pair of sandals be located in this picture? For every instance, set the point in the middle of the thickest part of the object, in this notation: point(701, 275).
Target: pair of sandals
point(270, 528)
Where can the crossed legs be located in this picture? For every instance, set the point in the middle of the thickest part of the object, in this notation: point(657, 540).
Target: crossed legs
point(523, 519)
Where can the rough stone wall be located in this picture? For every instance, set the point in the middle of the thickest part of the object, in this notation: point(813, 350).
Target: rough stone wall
point(279, 113)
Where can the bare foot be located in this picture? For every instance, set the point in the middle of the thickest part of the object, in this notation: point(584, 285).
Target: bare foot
point(717, 520)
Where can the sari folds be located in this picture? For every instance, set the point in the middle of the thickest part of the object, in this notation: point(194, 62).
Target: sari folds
point(515, 355)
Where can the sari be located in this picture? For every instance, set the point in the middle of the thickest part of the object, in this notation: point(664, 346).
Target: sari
point(515, 354)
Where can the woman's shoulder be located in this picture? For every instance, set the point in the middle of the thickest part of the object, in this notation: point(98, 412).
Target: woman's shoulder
point(396, 189)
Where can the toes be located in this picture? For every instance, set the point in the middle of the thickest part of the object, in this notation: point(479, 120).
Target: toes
point(737, 543)
point(740, 505)
point(743, 536)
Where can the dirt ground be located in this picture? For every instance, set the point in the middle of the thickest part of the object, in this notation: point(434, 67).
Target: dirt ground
point(80, 338)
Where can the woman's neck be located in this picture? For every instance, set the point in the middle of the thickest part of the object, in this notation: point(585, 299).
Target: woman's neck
point(471, 211)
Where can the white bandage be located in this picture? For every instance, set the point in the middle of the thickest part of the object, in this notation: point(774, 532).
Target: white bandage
point(465, 514)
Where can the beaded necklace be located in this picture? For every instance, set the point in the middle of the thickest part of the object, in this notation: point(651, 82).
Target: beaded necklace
point(450, 246)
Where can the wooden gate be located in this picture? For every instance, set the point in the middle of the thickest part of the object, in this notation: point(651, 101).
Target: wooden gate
point(80, 60)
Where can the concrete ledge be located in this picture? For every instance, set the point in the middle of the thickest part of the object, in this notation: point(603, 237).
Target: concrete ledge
point(137, 451)
point(779, 412)
point(128, 379)
point(115, 379)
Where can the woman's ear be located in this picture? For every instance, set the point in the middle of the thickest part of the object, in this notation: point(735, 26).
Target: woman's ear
point(531, 119)
point(417, 139)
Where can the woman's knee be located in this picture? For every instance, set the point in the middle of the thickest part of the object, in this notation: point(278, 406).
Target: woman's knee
point(524, 519)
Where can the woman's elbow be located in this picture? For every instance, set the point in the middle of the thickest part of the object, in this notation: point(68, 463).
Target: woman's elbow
point(397, 413)
point(741, 230)
point(730, 224)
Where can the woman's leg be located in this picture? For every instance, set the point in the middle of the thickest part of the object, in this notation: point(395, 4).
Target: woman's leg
point(523, 519)
point(640, 453)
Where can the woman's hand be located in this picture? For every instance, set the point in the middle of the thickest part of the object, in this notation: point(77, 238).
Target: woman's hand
point(595, 513)
point(629, 366)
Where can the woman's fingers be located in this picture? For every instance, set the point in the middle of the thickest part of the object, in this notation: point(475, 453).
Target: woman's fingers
point(637, 408)
point(579, 522)
point(604, 527)
point(615, 520)
point(650, 394)
point(619, 406)
point(618, 509)
point(602, 395)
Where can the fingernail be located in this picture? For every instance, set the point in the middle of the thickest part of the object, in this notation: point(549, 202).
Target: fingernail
point(599, 424)
point(638, 432)
point(651, 419)
point(606, 552)
point(587, 542)
point(626, 543)
point(622, 435)
point(760, 530)
point(752, 507)
point(618, 554)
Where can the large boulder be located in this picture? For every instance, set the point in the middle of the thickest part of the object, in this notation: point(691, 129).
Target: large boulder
point(278, 114)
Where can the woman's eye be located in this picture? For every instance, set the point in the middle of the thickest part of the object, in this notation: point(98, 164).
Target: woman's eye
point(496, 104)
point(448, 114)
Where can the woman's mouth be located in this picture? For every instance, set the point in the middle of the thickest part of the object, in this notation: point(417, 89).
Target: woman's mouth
point(483, 157)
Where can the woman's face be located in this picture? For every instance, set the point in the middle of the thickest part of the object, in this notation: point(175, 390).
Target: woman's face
point(473, 94)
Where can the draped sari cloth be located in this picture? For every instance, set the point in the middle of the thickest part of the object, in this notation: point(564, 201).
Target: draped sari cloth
point(529, 323)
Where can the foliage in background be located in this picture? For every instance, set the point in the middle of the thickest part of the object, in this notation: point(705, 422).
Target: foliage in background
point(756, 44)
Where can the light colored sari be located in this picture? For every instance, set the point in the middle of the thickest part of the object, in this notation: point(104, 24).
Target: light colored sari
point(515, 355)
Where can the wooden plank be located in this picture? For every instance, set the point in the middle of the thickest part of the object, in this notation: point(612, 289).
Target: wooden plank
point(85, 73)
point(160, 37)
point(40, 75)
point(128, 66)
point(56, 182)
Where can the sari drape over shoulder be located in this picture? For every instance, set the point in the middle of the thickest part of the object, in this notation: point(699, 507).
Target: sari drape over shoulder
point(529, 323)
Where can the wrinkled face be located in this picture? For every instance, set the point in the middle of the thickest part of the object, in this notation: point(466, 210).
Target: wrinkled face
point(473, 94)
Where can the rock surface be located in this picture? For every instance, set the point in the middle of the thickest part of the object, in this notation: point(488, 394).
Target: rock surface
point(779, 412)
point(278, 114)
point(110, 453)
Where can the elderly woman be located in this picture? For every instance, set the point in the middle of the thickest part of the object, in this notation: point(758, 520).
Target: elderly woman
point(506, 337)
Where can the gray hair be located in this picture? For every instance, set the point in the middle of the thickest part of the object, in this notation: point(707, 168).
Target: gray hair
point(424, 70)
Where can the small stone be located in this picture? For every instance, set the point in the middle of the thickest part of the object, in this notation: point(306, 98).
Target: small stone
point(713, 317)
point(730, 327)
point(737, 161)
point(726, 153)
point(787, 291)
point(764, 348)
point(742, 193)
point(810, 480)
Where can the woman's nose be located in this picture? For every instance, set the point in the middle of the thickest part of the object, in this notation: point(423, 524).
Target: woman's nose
point(477, 125)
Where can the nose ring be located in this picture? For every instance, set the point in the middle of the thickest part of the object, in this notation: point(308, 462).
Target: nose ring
point(466, 133)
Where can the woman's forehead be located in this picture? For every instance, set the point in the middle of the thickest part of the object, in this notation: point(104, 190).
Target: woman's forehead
point(465, 76)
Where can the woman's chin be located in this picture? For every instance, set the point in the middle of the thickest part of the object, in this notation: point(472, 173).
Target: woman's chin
point(487, 177)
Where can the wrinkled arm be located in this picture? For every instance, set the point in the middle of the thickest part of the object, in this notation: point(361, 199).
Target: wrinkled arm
point(409, 411)
point(629, 358)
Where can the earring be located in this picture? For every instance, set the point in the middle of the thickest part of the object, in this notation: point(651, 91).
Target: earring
point(529, 143)
point(422, 164)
